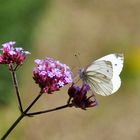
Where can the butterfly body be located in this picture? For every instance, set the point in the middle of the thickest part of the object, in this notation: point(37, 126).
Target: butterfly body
point(83, 74)
point(103, 74)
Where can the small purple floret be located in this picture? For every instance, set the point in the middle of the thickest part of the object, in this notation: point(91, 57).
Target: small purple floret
point(51, 75)
point(12, 55)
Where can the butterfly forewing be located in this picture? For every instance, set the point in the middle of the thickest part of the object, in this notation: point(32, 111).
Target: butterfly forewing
point(102, 67)
point(116, 60)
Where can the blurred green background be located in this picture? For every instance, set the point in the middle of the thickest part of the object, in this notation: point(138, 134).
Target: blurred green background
point(59, 29)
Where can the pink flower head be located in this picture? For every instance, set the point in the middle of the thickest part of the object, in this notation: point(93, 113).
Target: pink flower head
point(12, 55)
point(80, 98)
point(51, 75)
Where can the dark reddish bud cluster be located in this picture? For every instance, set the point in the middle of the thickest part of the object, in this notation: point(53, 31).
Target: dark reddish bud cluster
point(80, 98)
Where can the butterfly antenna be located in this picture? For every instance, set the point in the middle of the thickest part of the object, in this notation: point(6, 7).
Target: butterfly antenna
point(76, 79)
point(77, 57)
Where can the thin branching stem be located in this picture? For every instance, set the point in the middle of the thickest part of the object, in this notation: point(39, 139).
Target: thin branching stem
point(12, 126)
point(16, 67)
point(69, 100)
point(13, 73)
point(32, 103)
point(49, 110)
point(23, 114)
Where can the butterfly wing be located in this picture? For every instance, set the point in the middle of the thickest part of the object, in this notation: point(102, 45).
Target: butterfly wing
point(117, 61)
point(103, 74)
point(99, 75)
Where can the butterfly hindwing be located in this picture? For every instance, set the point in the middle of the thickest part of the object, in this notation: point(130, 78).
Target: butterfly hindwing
point(102, 67)
point(103, 88)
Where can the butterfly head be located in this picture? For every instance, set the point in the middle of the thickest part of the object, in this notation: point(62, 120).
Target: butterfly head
point(82, 74)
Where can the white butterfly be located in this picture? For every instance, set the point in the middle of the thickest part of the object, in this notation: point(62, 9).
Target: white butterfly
point(103, 74)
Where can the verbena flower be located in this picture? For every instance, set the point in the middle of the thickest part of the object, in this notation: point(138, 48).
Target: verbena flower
point(80, 98)
point(51, 75)
point(12, 55)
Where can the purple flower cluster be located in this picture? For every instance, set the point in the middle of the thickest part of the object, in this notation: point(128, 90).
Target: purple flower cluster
point(51, 75)
point(12, 55)
point(80, 98)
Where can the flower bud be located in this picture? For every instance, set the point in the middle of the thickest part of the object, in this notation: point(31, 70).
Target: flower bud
point(80, 98)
